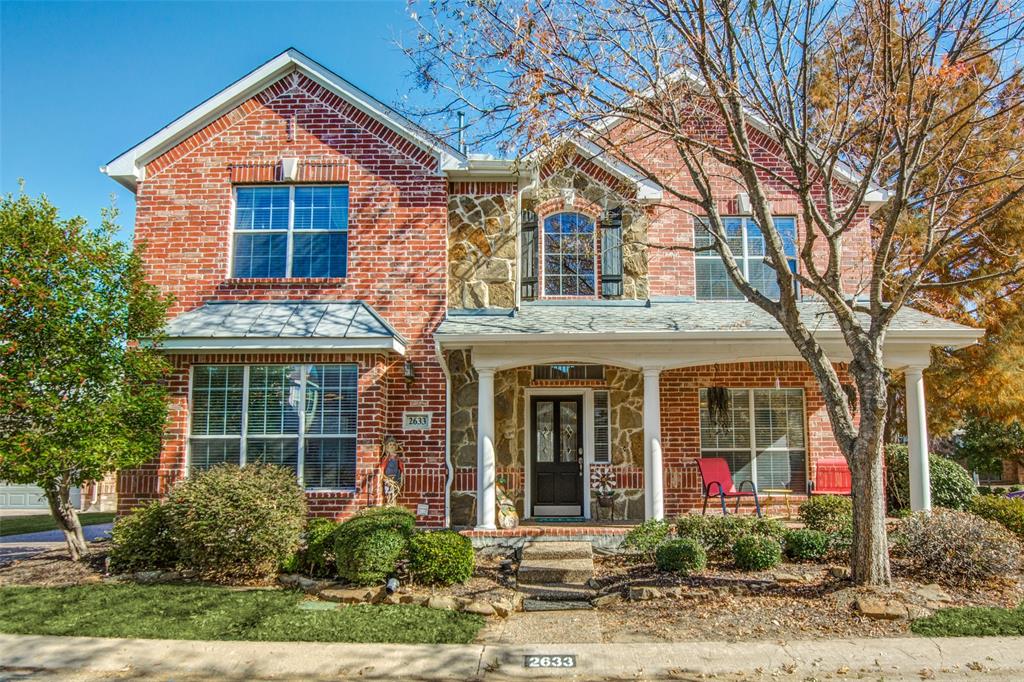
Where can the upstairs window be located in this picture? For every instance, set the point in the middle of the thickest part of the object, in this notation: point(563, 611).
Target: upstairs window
point(293, 231)
point(569, 255)
point(747, 245)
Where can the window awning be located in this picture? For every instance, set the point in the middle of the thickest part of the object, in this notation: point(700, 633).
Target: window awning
point(281, 326)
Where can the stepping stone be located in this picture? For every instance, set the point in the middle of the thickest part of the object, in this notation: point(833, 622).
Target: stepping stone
point(541, 571)
point(558, 550)
point(558, 592)
point(544, 605)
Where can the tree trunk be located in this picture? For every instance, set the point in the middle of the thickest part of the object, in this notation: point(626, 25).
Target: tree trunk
point(66, 516)
point(869, 554)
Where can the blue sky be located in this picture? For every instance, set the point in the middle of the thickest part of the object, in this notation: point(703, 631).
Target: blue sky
point(81, 82)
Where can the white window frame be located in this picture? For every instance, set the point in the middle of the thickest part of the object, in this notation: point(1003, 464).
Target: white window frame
point(300, 435)
point(753, 431)
point(542, 260)
point(289, 231)
point(743, 259)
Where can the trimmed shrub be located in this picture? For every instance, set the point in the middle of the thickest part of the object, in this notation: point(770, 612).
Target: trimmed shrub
point(142, 541)
point(647, 536)
point(441, 558)
point(828, 513)
point(756, 553)
point(807, 544)
point(368, 546)
point(1003, 510)
point(952, 487)
point(316, 557)
point(684, 556)
point(719, 533)
point(232, 523)
point(955, 547)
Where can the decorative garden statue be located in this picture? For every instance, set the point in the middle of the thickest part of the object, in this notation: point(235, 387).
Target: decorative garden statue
point(391, 467)
point(507, 515)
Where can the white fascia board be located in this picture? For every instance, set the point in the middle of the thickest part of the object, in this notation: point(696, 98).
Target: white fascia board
point(127, 168)
point(245, 345)
point(646, 189)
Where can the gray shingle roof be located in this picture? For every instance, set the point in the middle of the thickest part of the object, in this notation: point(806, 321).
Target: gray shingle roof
point(668, 317)
point(273, 324)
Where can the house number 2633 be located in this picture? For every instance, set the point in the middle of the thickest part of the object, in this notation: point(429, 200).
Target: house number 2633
point(550, 662)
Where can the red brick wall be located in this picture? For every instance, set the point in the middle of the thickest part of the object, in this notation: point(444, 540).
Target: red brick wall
point(680, 419)
point(397, 217)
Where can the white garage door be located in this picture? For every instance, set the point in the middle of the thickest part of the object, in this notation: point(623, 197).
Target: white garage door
point(29, 497)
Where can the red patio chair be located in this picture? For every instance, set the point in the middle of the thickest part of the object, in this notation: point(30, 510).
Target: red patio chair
point(717, 480)
point(831, 477)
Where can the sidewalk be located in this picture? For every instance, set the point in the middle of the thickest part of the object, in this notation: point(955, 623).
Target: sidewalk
point(15, 547)
point(890, 659)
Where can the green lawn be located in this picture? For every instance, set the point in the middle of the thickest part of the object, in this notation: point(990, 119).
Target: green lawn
point(974, 621)
point(15, 525)
point(217, 613)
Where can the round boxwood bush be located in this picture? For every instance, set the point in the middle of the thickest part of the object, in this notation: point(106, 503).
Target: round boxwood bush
point(719, 533)
point(441, 558)
point(684, 556)
point(756, 553)
point(807, 544)
point(955, 547)
point(828, 513)
point(952, 487)
point(142, 541)
point(644, 538)
point(368, 546)
point(232, 523)
point(316, 557)
point(1003, 510)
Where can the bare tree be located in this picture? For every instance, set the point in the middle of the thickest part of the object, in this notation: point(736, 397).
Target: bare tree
point(849, 97)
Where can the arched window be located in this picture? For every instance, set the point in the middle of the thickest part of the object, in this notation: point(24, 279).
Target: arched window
point(569, 255)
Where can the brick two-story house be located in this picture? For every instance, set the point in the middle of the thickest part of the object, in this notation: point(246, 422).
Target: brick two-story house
point(341, 276)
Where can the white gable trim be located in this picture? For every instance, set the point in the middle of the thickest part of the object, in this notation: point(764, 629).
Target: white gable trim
point(646, 189)
point(129, 168)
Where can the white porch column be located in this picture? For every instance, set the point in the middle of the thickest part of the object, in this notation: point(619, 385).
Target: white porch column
point(654, 487)
point(917, 437)
point(485, 475)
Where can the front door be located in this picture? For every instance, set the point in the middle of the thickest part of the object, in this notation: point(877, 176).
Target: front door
point(557, 455)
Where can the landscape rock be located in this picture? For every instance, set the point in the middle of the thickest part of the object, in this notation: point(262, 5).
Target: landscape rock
point(933, 593)
point(480, 608)
point(353, 595)
point(880, 609)
point(840, 572)
point(502, 608)
point(644, 593)
point(413, 598)
point(788, 578)
point(148, 576)
point(446, 603)
point(606, 600)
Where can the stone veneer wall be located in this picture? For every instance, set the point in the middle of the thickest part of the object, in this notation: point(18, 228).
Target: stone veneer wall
point(626, 398)
point(482, 248)
point(634, 222)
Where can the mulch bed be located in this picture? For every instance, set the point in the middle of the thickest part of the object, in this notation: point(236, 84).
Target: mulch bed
point(56, 569)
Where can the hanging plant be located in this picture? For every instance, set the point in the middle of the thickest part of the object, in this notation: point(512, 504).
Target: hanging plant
point(718, 408)
point(851, 396)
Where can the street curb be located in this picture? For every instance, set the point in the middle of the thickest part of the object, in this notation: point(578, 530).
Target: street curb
point(896, 658)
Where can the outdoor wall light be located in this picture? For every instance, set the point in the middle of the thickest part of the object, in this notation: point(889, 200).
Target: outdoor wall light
point(409, 371)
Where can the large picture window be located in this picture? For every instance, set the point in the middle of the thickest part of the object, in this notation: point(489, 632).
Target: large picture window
point(747, 245)
point(291, 231)
point(763, 439)
point(569, 255)
point(302, 417)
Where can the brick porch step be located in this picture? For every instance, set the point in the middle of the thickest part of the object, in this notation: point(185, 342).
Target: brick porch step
point(544, 551)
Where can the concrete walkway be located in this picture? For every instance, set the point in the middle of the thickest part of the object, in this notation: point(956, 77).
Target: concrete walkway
point(26, 545)
point(873, 659)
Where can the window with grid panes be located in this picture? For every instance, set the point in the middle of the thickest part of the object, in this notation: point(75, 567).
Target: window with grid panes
point(291, 231)
point(747, 245)
point(764, 439)
point(302, 417)
point(569, 255)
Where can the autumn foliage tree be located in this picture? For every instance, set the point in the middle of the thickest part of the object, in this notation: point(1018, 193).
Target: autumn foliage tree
point(78, 399)
point(848, 121)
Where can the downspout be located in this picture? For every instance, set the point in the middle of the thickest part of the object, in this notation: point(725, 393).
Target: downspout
point(532, 184)
point(449, 469)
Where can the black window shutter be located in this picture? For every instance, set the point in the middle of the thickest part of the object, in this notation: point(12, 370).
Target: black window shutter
point(611, 253)
point(529, 256)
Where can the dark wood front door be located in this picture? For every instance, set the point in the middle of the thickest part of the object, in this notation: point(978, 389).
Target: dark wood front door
point(556, 454)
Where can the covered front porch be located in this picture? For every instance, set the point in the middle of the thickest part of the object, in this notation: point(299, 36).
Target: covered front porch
point(640, 374)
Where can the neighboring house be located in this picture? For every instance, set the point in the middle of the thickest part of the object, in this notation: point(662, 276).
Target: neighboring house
point(341, 276)
point(93, 496)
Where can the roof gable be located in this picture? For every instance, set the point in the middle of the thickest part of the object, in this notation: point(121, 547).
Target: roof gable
point(129, 167)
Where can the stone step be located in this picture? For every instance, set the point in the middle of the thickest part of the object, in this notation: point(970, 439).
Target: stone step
point(558, 550)
point(558, 592)
point(541, 571)
point(541, 605)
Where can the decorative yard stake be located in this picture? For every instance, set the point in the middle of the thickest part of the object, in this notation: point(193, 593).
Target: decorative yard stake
point(392, 468)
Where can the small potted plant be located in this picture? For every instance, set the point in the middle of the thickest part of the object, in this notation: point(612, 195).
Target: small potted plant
point(604, 482)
